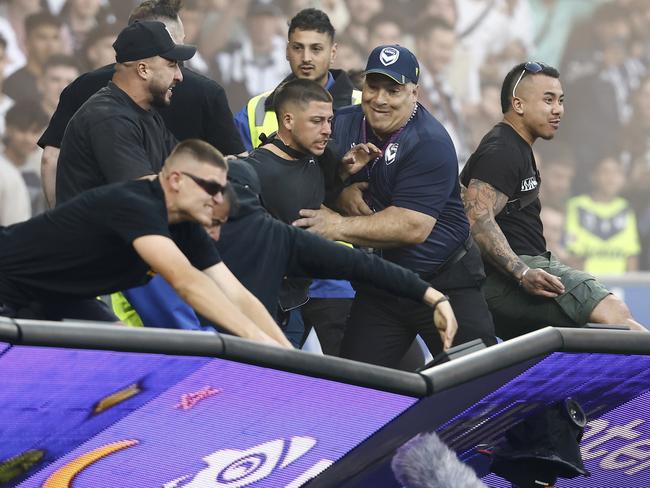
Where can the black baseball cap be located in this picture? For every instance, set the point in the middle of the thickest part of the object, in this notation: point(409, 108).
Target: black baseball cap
point(145, 39)
point(394, 61)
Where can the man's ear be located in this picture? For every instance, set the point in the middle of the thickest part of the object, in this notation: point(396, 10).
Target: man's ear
point(142, 68)
point(517, 105)
point(287, 120)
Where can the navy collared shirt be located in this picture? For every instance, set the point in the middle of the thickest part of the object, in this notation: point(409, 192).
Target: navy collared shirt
point(418, 171)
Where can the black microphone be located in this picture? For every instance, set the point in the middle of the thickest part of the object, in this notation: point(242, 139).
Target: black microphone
point(426, 462)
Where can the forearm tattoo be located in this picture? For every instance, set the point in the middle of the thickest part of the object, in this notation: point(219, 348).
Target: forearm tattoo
point(482, 202)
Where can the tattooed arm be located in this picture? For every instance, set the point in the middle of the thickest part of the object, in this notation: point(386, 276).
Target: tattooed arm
point(482, 203)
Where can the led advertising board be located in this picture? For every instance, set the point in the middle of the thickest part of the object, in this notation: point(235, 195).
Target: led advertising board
point(88, 418)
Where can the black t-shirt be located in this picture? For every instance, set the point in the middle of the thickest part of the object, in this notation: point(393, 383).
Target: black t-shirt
point(83, 248)
point(288, 185)
point(505, 160)
point(110, 139)
point(199, 109)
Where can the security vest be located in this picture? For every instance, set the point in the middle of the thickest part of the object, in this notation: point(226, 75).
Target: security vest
point(261, 116)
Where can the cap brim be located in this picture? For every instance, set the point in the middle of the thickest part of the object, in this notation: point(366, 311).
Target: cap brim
point(397, 77)
point(180, 52)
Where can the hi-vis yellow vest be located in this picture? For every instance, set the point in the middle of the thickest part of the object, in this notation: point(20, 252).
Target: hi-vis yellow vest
point(262, 122)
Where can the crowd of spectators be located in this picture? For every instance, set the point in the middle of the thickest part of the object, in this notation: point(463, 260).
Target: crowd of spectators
point(596, 172)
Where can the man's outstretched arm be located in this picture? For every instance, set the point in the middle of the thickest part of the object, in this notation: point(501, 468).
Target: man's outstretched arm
point(482, 203)
point(315, 257)
point(199, 290)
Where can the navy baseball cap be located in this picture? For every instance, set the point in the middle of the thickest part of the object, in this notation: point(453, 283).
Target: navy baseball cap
point(146, 39)
point(394, 61)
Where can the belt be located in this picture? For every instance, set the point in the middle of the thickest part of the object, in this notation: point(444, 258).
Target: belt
point(453, 258)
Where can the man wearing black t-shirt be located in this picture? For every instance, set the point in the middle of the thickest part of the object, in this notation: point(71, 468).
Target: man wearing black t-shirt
point(199, 108)
point(117, 236)
point(527, 288)
point(294, 174)
point(116, 135)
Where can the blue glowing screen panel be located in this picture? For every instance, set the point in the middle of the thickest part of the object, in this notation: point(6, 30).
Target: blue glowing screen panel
point(612, 390)
point(87, 418)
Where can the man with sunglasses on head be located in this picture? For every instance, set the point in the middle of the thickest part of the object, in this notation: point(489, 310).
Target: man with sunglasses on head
point(117, 135)
point(119, 236)
point(527, 288)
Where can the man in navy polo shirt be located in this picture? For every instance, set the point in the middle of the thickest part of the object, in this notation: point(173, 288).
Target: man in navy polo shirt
point(410, 212)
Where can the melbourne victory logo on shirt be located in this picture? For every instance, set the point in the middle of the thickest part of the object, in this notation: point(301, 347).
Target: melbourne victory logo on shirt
point(391, 153)
point(529, 184)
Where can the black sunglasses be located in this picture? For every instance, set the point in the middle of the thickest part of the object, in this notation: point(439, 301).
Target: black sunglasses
point(531, 67)
point(212, 188)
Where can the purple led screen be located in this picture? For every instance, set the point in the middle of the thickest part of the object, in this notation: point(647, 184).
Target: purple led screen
point(612, 390)
point(97, 418)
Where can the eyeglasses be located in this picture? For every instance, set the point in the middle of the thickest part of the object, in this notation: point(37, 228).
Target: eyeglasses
point(531, 67)
point(212, 188)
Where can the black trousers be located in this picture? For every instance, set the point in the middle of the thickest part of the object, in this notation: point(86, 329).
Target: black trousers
point(382, 326)
point(329, 317)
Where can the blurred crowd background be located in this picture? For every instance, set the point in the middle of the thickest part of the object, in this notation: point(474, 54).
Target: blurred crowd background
point(595, 173)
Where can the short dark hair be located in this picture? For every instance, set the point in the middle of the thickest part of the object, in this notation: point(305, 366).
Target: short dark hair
point(99, 32)
point(60, 60)
point(155, 10)
point(301, 91)
point(25, 115)
point(201, 151)
point(512, 77)
point(39, 19)
point(427, 24)
point(312, 19)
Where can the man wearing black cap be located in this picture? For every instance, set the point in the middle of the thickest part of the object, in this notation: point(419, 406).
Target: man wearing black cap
point(116, 136)
point(411, 213)
point(199, 107)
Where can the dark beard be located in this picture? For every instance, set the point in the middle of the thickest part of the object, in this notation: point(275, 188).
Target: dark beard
point(159, 100)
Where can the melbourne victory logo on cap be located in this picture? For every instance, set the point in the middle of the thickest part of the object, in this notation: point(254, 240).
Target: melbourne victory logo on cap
point(388, 56)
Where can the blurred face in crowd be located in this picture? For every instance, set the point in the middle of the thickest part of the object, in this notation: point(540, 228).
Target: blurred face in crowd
point(348, 57)
point(310, 125)
point(310, 54)
point(219, 218)
point(445, 9)
point(540, 102)
point(436, 49)
point(165, 74)
point(43, 42)
point(55, 79)
point(21, 143)
point(261, 29)
point(362, 11)
point(609, 178)
point(385, 32)
point(387, 104)
point(101, 52)
point(85, 8)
